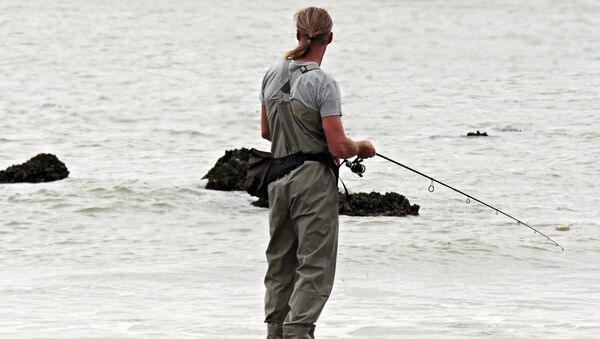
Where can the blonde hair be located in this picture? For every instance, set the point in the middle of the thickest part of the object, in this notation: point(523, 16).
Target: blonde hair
point(314, 24)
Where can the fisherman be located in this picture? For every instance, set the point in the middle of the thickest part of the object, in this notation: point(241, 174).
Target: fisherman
point(301, 116)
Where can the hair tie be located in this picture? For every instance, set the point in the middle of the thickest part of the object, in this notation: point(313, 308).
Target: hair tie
point(308, 37)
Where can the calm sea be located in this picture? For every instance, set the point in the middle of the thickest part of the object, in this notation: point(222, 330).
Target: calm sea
point(140, 98)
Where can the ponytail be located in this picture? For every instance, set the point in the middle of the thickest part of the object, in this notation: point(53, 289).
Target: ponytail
point(299, 51)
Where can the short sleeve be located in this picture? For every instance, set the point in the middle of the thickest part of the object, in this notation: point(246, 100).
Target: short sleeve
point(329, 98)
point(261, 96)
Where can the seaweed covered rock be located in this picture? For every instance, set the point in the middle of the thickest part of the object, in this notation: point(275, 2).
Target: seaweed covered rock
point(41, 168)
point(375, 204)
point(229, 173)
point(369, 205)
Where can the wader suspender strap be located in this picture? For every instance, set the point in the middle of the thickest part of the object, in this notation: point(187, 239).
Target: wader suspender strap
point(287, 81)
point(302, 70)
point(285, 76)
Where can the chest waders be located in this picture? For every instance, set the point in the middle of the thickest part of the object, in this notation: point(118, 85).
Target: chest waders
point(303, 219)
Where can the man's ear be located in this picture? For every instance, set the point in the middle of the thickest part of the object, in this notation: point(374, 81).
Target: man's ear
point(330, 38)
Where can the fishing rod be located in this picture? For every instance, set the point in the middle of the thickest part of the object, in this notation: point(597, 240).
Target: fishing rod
point(357, 167)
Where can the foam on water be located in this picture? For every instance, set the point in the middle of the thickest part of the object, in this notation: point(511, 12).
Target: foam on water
point(139, 99)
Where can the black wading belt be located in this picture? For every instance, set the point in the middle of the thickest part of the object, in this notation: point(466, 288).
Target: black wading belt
point(282, 166)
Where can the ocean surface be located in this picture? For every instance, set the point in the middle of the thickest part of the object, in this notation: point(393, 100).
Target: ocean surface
point(140, 98)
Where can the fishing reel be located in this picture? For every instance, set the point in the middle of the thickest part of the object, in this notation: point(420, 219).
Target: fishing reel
point(356, 166)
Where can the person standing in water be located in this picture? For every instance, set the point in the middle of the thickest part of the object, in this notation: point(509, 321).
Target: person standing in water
point(301, 116)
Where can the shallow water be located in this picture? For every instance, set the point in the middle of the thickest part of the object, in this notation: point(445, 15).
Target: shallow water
point(139, 99)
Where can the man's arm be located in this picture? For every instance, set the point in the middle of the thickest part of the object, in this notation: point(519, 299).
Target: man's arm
point(264, 123)
point(340, 145)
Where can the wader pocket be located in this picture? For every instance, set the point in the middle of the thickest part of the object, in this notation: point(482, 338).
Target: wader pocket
point(258, 170)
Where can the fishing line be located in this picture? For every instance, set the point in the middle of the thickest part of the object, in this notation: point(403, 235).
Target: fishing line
point(431, 188)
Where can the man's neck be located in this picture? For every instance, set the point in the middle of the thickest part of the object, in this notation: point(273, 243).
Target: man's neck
point(315, 55)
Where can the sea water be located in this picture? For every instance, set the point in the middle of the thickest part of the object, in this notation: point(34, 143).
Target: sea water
point(140, 98)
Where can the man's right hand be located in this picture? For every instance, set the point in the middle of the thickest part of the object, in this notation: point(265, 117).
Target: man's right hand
point(365, 149)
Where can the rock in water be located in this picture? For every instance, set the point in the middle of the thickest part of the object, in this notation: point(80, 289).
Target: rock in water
point(229, 173)
point(374, 204)
point(41, 168)
point(477, 134)
point(369, 205)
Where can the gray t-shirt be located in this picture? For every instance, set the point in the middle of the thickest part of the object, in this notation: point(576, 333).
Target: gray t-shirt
point(316, 89)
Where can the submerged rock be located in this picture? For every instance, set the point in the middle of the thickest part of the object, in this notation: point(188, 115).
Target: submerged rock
point(261, 203)
point(41, 168)
point(229, 173)
point(477, 134)
point(374, 204)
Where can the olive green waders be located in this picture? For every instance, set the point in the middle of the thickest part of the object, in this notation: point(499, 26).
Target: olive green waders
point(303, 222)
